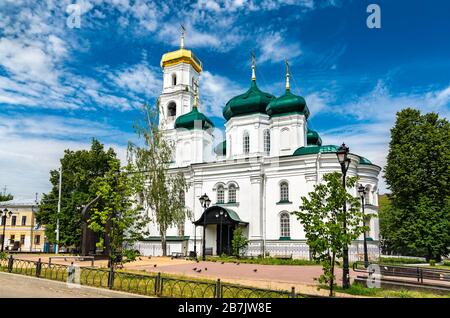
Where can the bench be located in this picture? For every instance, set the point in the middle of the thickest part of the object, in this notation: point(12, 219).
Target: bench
point(209, 251)
point(81, 258)
point(177, 255)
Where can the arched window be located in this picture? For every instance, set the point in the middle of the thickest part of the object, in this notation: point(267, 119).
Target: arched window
point(220, 194)
point(285, 227)
point(246, 142)
point(232, 193)
point(172, 109)
point(284, 192)
point(174, 79)
point(267, 142)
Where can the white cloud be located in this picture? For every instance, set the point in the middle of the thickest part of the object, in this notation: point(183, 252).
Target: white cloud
point(215, 91)
point(275, 48)
point(31, 146)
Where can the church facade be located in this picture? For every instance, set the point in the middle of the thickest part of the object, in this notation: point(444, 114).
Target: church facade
point(255, 176)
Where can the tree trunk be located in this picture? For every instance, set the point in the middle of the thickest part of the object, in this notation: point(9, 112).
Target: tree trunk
point(332, 273)
point(163, 242)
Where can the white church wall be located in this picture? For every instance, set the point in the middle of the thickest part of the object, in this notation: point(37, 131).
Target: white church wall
point(254, 125)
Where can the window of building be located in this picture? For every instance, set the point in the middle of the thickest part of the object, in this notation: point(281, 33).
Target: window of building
point(267, 142)
point(232, 194)
point(24, 220)
point(13, 220)
point(22, 240)
point(174, 79)
point(172, 109)
point(220, 194)
point(367, 195)
point(37, 239)
point(284, 192)
point(11, 239)
point(246, 143)
point(285, 228)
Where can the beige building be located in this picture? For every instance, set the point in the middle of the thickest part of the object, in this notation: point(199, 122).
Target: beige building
point(21, 232)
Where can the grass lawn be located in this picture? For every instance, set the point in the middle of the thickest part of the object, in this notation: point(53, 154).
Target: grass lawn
point(261, 261)
point(358, 289)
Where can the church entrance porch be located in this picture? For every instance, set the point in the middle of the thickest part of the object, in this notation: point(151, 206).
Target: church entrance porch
point(222, 221)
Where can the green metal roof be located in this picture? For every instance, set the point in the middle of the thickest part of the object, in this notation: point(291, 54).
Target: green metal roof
point(315, 149)
point(234, 215)
point(252, 101)
point(288, 104)
point(221, 149)
point(188, 120)
point(313, 138)
point(364, 161)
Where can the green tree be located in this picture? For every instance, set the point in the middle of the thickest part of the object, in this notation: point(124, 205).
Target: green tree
point(418, 174)
point(79, 172)
point(118, 218)
point(6, 196)
point(239, 242)
point(158, 188)
point(322, 217)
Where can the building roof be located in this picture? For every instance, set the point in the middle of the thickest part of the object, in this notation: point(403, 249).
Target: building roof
point(287, 103)
point(188, 121)
point(181, 56)
point(19, 202)
point(252, 101)
point(315, 149)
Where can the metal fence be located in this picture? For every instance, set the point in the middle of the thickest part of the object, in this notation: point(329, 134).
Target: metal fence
point(419, 273)
point(151, 284)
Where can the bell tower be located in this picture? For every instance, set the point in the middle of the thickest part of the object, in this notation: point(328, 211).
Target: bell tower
point(181, 69)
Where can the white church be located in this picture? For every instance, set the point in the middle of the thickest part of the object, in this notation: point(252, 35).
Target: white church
point(254, 177)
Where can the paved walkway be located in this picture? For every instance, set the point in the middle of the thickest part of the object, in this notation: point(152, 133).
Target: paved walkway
point(20, 286)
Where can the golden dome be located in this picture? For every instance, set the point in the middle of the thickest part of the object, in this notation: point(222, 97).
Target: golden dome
point(181, 56)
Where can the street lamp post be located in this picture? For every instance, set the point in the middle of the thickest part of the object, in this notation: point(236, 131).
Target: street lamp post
point(4, 213)
point(344, 161)
point(362, 193)
point(205, 202)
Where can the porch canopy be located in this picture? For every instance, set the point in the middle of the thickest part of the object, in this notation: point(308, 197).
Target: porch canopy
point(212, 216)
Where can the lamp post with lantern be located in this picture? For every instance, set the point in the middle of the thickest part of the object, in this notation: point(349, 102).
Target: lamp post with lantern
point(4, 214)
point(344, 161)
point(362, 194)
point(204, 202)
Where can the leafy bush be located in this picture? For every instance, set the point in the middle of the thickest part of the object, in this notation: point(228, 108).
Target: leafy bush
point(401, 260)
point(432, 262)
point(239, 242)
point(3, 255)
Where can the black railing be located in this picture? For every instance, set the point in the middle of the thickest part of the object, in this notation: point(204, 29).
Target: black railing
point(419, 273)
point(144, 284)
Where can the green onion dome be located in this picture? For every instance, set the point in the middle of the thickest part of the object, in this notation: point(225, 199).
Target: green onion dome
point(315, 150)
point(313, 138)
point(287, 104)
point(188, 121)
point(221, 149)
point(252, 101)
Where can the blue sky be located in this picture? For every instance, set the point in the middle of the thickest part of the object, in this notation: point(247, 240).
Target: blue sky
point(61, 86)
